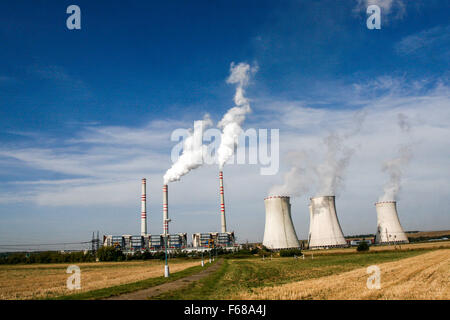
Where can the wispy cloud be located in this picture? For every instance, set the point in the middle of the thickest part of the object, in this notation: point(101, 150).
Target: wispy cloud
point(436, 39)
point(92, 161)
point(102, 165)
point(61, 77)
point(390, 9)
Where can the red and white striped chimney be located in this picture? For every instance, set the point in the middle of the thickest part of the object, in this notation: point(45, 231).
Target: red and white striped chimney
point(144, 208)
point(222, 204)
point(165, 210)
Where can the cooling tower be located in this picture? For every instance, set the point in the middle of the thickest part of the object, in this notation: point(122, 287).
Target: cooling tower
point(143, 208)
point(389, 229)
point(222, 204)
point(324, 228)
point(279, 232)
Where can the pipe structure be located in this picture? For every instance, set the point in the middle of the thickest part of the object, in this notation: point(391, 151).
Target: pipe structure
point(324, 228)
point(144, 208)
point(166, 221)
point(222, 204)
point(389, 229)
point(165, 211)
point(310, 219)
point(279, 231)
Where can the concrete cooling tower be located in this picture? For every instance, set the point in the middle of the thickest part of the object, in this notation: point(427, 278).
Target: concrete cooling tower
point(324, 228)
point(389, 229)
point(279, 232)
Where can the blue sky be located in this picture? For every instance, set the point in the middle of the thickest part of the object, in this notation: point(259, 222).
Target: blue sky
point(87, 113)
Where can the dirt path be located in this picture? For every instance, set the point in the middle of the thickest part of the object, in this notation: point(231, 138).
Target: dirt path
point(169, 286)
point(426, 276)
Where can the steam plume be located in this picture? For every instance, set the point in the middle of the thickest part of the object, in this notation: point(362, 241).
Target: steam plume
point(193, 152)
point(298, 180)
point(232, 120)
point(394, 167)
point(329, 175)
point(331, 171)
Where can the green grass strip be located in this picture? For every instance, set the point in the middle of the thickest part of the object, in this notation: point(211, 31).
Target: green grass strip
point(131, 287)
point(199, 290)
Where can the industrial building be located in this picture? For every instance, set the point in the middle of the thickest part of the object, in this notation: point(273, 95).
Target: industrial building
point(324, 228)
point(279, 231)
point(177, 241)
point(129, 243)
point(221, 239)
point(389, 229)
point(213, 240)
point(357, 242)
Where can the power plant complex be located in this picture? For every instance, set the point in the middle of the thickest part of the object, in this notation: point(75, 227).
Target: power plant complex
point(279, 232)
point(177, 241)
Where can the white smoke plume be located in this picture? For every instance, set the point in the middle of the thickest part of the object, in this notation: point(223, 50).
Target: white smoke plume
point(298, 180)
point(395, 167)
point(193, 152)
point(327, 175)
point(331, 172)
point(232, 120)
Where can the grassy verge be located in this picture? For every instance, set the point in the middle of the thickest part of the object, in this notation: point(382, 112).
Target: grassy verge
point(130, 287)
point(199, 290)
point(244, 275)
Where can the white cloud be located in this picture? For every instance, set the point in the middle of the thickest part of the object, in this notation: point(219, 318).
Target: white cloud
point(101, 166)
point(97, 165)
point(436, 39)
point(390, 9)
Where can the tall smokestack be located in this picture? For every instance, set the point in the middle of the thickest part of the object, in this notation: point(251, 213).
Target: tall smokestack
point(222, 204)
point(165, 210)
point(389, 228)
point(144, 208)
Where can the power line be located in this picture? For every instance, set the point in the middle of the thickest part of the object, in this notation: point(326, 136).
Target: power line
point(43, 244)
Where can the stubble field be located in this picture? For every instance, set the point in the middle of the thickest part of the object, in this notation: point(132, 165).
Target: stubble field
point(282, 278)
point(426, 276)
point(38, 281)
point(416, 271)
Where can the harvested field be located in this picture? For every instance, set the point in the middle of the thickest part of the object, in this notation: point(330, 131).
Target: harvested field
point(428, 234)
point(240, 277)
point(409, 246)
point(49, 280)
point(426, 276)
